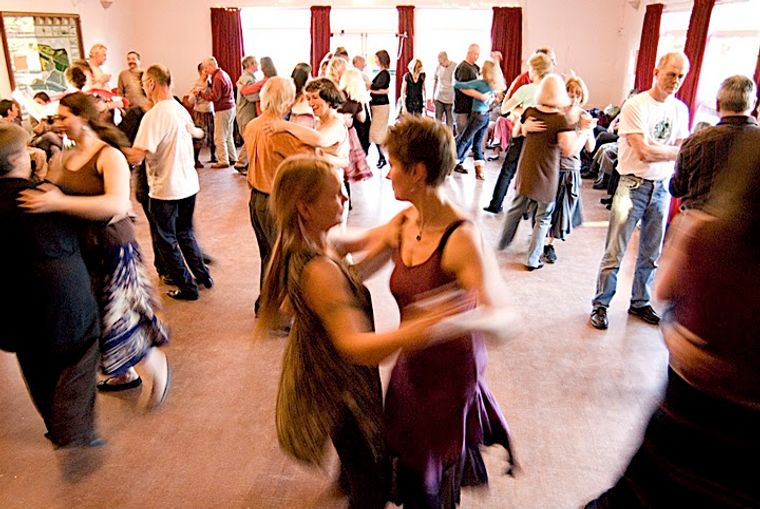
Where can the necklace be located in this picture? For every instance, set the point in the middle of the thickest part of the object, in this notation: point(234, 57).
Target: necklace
point(419, 232)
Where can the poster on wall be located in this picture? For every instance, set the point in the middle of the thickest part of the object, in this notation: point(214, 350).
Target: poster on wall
point(39, 47)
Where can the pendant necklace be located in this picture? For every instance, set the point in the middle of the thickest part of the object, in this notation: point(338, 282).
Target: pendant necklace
point(419, 233)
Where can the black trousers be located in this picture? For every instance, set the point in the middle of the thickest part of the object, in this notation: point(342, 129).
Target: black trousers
point(62, 388)
point(141, 194)
point(176, 241)
point(265, 231)
point(508, 170)
point(364, 478)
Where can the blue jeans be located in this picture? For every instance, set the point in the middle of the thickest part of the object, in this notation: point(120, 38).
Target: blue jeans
point(508, 170)
point(473, 135)
point(635, 200)
point(541, 226)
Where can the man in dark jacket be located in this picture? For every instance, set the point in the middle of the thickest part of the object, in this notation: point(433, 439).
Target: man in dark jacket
point(47, 309)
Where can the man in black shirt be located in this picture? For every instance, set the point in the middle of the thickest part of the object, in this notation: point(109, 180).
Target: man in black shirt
point(467, 70)
point(49, 315)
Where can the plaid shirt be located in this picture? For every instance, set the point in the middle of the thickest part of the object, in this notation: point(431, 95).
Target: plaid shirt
point(703, 156)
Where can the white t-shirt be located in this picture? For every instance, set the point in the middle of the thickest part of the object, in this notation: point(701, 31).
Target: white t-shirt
point(165, 134)
point(661, 123)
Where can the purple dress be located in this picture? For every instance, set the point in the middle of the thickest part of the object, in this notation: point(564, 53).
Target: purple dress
point(438, 408)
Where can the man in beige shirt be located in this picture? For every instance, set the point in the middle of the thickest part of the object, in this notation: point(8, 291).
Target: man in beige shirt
point(266, 150)
point(130, 81)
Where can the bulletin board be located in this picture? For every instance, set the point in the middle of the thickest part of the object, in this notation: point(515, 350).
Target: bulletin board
point(39, 47)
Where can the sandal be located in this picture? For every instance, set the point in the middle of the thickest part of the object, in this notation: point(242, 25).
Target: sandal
point(158, 392)
point(107, 385)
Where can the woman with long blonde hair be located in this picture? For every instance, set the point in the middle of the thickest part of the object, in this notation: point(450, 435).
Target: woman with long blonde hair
point(355, 110)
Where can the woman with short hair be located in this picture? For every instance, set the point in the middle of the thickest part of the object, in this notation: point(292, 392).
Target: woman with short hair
point(438, 408)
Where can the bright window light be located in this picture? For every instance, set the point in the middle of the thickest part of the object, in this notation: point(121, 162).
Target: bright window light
point(281, 34)
point(732, 44)
point(461, 27)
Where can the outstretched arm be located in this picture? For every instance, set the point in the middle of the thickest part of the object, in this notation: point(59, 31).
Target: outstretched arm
point(476, 269)
point(347, 323)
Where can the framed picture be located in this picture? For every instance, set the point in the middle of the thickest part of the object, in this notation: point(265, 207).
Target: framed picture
point(39, 47)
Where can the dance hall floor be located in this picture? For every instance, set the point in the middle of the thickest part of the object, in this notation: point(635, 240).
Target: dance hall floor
point(576, 398)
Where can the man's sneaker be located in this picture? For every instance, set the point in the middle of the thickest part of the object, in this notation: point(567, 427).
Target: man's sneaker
point(646, 313)
point(550, 255)
point(599, 318)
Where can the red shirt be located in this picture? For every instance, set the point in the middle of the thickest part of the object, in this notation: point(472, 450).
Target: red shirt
point(221, 91)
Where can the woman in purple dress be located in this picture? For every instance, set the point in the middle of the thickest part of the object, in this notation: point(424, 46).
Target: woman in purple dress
point(438, 408)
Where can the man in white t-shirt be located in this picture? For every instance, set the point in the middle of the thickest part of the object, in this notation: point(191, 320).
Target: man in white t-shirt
point(652, 126)
point(164, 140)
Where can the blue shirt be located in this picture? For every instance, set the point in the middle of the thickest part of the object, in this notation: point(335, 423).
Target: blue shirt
point(481, 86)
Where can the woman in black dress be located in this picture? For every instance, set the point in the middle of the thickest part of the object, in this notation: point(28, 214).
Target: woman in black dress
point(380, 105)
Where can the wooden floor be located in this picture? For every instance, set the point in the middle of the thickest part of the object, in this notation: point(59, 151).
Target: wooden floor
point(576, 398)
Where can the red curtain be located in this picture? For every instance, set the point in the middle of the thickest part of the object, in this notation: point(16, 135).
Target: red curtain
point(650, 36)
point(506, 36)
point(757, 83)
point(405, 41)
point(696, 40)
point(227, 39)
point(320, 35)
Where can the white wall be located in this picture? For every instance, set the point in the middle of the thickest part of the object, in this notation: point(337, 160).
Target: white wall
point(113, 27)
point(595, 38)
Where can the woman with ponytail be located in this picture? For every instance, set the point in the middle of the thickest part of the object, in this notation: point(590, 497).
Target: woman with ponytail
point(330, 385)
point(92, 182)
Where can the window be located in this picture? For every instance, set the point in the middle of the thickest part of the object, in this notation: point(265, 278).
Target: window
point(732, 44)
point(365, 32)
point(281, 34)
point(461, 27)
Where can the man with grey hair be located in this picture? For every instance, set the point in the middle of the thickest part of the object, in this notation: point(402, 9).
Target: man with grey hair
point(224, 112)
point(164, 141)
point(266, 150)
point(98, 55)
point(652, 126)
point(706, 153)
point(245, 110)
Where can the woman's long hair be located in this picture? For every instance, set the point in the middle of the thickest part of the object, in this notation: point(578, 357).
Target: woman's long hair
point(353, 86)
point(493, 76)
point(301, 74)
point(83, 106)
point(299, 179)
